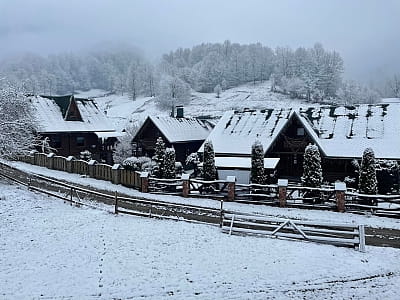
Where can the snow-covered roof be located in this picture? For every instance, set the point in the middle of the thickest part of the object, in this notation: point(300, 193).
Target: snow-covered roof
point(236, 131)
point(181, 129)
point(243, 162)
point(339, 131)
point(51, 114)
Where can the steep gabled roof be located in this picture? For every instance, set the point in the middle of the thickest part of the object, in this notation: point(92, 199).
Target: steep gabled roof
point(339, 131)
point(236, 131)
point(181, 129)
point(51, 114)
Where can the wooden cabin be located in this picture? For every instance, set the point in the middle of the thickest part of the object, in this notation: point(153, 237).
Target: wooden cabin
point(73, 125)
point(184, 134)
point(342, 133)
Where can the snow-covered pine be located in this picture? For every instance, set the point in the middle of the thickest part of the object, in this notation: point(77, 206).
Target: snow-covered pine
point(368, 182)
point(159, 157)
point(217, 90)
point(209, 171)
point(17, 124)
point(169, 163)
point(257, 163)
point(312, 170)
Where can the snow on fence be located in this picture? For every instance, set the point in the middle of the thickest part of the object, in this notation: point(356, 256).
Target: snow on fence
point(347, 235)
point(282, 194)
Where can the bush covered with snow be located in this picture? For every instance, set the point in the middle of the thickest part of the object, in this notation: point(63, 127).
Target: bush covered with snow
point(209, 171)
point(169, 163)
point(368, 182)
point(139, 164)
point(312, 174)
point(159, 157)
point(257, 163)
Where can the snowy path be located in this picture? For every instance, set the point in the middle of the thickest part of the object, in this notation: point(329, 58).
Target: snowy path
point(52, 249)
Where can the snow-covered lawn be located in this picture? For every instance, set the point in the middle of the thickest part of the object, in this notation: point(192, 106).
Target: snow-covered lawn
point(50, 249)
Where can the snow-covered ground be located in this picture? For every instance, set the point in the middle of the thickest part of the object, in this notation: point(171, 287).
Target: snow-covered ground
point(122, 110)
point(50, 250)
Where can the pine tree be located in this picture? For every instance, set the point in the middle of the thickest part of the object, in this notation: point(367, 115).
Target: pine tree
point(159, 157)
point(209, 171)
point(169, 163)
point(368, 183)
point(312, 173)
point(257, 163)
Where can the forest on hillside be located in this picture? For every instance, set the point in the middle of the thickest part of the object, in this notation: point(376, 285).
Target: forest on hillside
point(314, 74)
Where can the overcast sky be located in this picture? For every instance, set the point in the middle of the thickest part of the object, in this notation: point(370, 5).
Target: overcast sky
point(366, 33)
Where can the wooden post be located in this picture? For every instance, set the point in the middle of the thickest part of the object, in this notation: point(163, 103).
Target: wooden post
point(185, 185)
point(116, 203)
point(116, 174)
point(144, 179)
point(282, 187)
point(231, 187)
point(70, 196)
point(340, 189)
point(50, 161)
point(361, 232)
point(221, 213)
point(68, 164)
point(91, 166)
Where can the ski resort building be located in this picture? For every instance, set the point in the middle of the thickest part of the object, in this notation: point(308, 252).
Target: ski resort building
point(73, 125)
point(341, 133)
point(184, 134)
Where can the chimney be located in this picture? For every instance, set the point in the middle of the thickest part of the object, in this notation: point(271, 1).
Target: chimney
point(179, 111)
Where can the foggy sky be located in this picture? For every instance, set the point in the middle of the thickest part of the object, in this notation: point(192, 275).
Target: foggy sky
point(366, 33)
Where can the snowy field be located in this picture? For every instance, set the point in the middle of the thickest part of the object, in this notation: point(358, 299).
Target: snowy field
point(51, 250)
point(122, 110)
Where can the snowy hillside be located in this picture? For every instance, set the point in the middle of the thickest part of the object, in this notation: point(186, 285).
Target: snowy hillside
point(52, 250)
point(122, 109)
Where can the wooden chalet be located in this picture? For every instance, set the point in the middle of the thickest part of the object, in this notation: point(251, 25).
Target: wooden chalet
point(342, 133)
point(184, 134)
point(73, 125)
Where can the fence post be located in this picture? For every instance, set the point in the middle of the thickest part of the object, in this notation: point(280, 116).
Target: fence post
point(361, 232)
point(144, 182)
point(71, 191)
point(68, 164)
point(340, 189)
point(231, 187)
point(50, 161)
point(282, 187)
point(91, 166)
point(116, 174)
point(116, 203)
point(185, 185)
point(221, 213)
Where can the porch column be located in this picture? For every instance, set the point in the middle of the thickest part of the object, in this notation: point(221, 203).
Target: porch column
point(340, 189)
point(231, 187)
point(282, 186)
point(185, 185)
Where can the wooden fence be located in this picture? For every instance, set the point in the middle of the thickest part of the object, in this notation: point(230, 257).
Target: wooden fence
point(282, 194)
point(347, 235)
point(232, 222)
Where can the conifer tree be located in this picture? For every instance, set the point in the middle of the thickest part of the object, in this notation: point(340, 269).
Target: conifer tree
point(257, 163)
point(368, 182)
point(169, 163)
point(312, 173)
point(209, 171)
point(159, 157)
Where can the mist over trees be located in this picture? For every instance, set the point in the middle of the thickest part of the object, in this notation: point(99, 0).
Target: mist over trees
point(314, 74)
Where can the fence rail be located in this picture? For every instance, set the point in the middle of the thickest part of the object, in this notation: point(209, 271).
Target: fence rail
point(326, 197)
point(336, 234)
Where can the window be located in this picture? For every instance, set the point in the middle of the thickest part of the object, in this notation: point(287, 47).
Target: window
point(56, 141)
point(80, 141)
point(300, 131)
